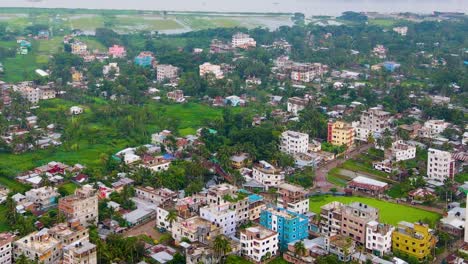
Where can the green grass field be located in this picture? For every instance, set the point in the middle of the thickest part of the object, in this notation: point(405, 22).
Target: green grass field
point(4, 226)
point(390, 213)
point(69, 187)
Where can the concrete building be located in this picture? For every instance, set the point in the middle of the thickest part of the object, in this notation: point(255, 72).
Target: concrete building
point(402, 151)
point(341, 246)
point(401, 30)
point(226, 194)
point(6, 248)
point(208, 68)
point(145, 59)
point(373, 122)
point(166, 72)
point(195, 229)
point(82, 252)
point(117, 51)
point(355, 217)
point(68, 233)
point(258, 242)
point(156, 196)
point(440, 165)
point(297, 104)
point(78, 48)
point(44, 197)
point(82, 206)
point(39, 245)
point(243, 41)
point(256, 206)
point(293, 198)
point(415, 240)
point(367, 185)
point(221, 216)
point(307, 72)
point(331, 218)
point(33, 95)
point(293, 142)
point(290, 226)
point(433, 128)
point(267, 174)
point(340, 133)
point(379, 238)
point(112, 66)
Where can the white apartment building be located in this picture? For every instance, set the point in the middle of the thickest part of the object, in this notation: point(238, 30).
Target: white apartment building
point(435, 127)
point(82, 206)
point(330, 221)
point(258, 241)
point(379, 237)
point(440, 165)
point(244, 41)
point(39, 246)
point(78, 48)
point(297, 104)
point(82, 252)
point(6, 248)
point(43, 197)
point(293, 142)
point(195, 229)
point(373, 122)
point(403, 151)
point(401, 30)
point(293, 198)
point(155, 196)
point(221, 216)
point(166, 72)
point(226, 194)
point(33, 95)
point(207, 68)
point(267, 174)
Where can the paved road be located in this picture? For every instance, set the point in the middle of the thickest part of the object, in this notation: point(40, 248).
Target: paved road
point(321, 173)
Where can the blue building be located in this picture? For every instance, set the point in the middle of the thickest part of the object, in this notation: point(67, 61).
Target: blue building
point(289, 225)
point(144, 59)
point(391, 65)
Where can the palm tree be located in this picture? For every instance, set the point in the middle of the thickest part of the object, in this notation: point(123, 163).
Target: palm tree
point(221, 246)
point(171, 217)
point(299, 248)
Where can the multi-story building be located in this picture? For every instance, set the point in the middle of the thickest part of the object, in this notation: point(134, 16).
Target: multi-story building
point(40, 246)
point(290, 226)
point(166, 72)
point(403, 151)
point(297, 104)
point(341, 246)
point(243, 41)
point(258, 242)
point(208, 68)
point(331, 218)
point(415, 240)
point(293, 198)
point(256, 206)
point(440, 165)
point(78, 48)
point(221, 216)
point(117, 51)
point(156, 196)
point(380, 51)
point(267, 174)
point(6, 248)
point(373, 122)
point(69, 233)
point(355, 217)
point(195, 229)
point(33, 95)
point(177, 96)
point(293, 142)
point(401, 30)
point(222, 194)
point(433, 128)
point(218, 46)
point(82, 252)
point(379, 238)
point(340, 133)
point(81, 207)
point(306, 72)
point(145, 59)
point(44, 197)
point(46, 92)
point(111, 67)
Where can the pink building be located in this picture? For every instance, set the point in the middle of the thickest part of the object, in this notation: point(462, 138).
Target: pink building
point(117, 51)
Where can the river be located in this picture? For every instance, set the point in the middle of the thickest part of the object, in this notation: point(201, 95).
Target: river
point(309, 7)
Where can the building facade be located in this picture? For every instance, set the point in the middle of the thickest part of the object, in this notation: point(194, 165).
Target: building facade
point(373, 122)
point(379, 238)
point(415, 240)
point(355, 217)
point(221, 216)
point(208, 68)
point(293, 198)
point(440, 165)
point(331, 217)
point(293, 142)
point(39, 246)
point(258, 242)
point(244, 41)
point(267, 174)
point(340, 133)
point(403, 151)
point(82, 206)
point(6, 248)
point(166, 72)
point(82, 252)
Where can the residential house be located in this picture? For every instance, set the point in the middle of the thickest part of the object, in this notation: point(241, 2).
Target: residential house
point(81, 206)
point(267, 174)
point(355, 217)
point(117, 51)
point(40, 246)
point(6, 248)
point(195, 229)
point(222, 194)
point(402, 151)
point(373, 122)
point(156, 196)
point(166, 72)
point(297, 104)
point(290, 226)
point(81, 252)
point(379, 238)
point(43, 198)
point(340, 134)
point(79, 48)
point(222, 216)
point(176, 96)
point(331, 218)
point(415, 240)
point(367, 185)
point(293, 142)
point(243, 41)
point(454, 222)
point(145, 59)
point(293, 198)
point(341, 246)
point(258, 243)
point(111, 67)
point(440, 165)
point(208, 68)
point(240, 160)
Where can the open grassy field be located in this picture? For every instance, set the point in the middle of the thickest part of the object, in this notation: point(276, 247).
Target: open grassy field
point(69, 187)
point(390, 213)
point(383, 22)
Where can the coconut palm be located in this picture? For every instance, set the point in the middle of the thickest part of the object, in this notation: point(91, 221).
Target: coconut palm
point(171, 217)
point(221, 246)
point(299, 248)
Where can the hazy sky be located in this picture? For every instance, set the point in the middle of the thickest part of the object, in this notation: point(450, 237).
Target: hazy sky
point(310, 7)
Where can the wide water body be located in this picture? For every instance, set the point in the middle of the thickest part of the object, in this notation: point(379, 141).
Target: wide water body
point(310, 7)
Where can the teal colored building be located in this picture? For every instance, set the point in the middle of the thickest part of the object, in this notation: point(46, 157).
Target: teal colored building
point(289, 225)
point(144, 59)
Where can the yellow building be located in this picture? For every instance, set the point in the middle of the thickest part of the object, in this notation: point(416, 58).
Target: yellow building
point(340, 133)
point(413, 239)
point(77, 76)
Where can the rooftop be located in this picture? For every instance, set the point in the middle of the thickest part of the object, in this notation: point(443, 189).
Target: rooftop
point(259, 232)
